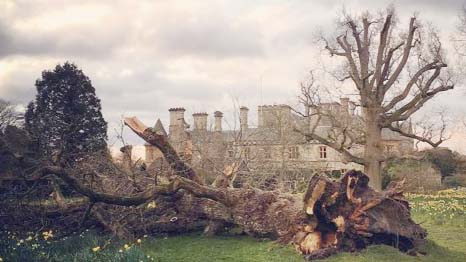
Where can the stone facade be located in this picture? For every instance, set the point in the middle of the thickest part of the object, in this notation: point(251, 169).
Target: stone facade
point(270, 147)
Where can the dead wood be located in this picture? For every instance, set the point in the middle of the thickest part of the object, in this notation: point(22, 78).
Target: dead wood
point(344, 215)
point(349, 215)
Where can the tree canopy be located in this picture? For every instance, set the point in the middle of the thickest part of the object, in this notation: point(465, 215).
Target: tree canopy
point(65, 119)
point(394, 72)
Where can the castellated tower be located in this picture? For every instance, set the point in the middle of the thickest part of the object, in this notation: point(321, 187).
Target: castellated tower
point(274, 116)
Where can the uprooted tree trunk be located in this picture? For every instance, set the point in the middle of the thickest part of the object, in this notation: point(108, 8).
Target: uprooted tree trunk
point(344, 215)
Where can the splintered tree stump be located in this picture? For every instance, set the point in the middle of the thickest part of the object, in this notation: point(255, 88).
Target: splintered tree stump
point(348, 215)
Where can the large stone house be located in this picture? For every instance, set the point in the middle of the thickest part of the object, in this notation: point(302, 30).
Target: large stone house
point(271, 147)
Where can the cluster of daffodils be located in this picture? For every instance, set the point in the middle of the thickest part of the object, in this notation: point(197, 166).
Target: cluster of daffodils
point(449, 203)
point(125, 247)
point(40, 242)
point(29, 241)
point(31, 237)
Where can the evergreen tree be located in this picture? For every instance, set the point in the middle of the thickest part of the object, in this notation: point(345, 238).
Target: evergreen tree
point(66, 117)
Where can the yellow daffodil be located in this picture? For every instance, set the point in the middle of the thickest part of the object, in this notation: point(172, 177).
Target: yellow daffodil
point(151, 205)
point(95, 249)
point(139, 241)
point(47, 234)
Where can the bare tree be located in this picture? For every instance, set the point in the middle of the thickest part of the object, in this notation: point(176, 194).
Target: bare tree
point(6, 114)
point(394, 72)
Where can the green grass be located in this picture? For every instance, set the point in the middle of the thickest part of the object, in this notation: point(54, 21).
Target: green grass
point(443, 215)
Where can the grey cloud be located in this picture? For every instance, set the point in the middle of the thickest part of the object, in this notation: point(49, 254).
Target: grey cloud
point(19, 86)
point(186, 59)
point(71, 41)
point(432, 4)
point(202, 34)
point(402, 5)
point(19, 92)
point(209, 36)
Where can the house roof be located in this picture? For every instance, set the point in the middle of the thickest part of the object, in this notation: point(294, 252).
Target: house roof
point(271, 134)
point(159, 129)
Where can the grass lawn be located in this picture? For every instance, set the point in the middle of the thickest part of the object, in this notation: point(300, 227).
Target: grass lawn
point(442, 214)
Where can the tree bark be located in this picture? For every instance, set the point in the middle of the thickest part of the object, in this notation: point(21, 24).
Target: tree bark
point(373, 154)
point(344, 215)
point(57, 193)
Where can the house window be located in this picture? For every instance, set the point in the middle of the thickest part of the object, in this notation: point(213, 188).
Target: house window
point(293, 152)
point(231, 153)
point(389, 149)
point(267, 153)
point(323, 151)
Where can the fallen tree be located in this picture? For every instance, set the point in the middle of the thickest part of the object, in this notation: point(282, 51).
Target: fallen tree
point(344, 215)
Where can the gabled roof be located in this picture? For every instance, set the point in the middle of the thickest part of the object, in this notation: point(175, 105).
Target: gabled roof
point(159, 129)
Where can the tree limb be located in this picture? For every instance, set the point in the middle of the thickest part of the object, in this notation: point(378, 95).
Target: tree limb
point(94, 196)
point(414, 105)
point(377, 80)
point(414, 136)
point(412, 81)
point(406, 52)
point(162, 143)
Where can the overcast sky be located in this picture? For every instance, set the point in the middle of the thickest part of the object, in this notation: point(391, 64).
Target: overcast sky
point(144, 57)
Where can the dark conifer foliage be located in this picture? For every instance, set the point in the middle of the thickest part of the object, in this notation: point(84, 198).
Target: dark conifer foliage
point(65, 119)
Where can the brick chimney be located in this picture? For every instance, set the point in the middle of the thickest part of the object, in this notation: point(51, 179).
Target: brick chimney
point(127, 155)
point(176, 116)
point(200, 121)
point(176, 119)
point(243, 117)
point(218, 121)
